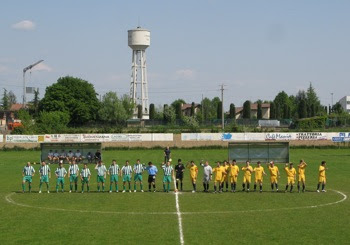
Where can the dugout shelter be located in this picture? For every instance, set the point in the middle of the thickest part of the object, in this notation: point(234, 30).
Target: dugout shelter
point(259, 151)
point(84, 149)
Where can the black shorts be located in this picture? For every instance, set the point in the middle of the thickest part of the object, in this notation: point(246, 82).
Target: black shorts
point(179, 177)
point(151, 178)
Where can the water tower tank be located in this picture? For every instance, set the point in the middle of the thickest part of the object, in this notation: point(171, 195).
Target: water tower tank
point(139, 39)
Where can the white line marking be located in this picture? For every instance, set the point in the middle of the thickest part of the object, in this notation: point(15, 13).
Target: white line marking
point(11, 201)
point(178, 213)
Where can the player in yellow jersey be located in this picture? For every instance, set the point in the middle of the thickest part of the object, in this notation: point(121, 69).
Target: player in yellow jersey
point(225, 177)
point(219, 172)
point(291, 176)
point(233, 171)
point(193, 174)
point(274, 174)
point(322, 177)
point(247, 178)
point(301, 173)
point(259, 172)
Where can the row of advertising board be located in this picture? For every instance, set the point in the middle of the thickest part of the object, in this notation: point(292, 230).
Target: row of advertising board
point(59, 138)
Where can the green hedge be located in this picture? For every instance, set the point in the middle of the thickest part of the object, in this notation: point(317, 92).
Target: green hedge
point(310, 124)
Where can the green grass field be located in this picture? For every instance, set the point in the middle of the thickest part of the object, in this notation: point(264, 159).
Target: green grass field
point(151, 218)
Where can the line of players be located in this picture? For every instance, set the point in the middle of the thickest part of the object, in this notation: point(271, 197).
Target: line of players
point(224, 173)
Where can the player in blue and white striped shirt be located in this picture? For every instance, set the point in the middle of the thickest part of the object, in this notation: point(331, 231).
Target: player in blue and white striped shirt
point(73, 172)
point(60, 174)
point(27, 173)
point(126, 171)
point(85, 178)
point(113, 171)
point(138, 170)
point(168, 172)
point(45, 174)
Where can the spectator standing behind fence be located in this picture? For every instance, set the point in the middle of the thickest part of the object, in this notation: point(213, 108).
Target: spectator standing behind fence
point(98, 156)
point(167, 154)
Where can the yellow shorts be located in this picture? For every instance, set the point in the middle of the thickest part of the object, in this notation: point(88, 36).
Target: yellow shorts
point(218, 181)
point(193, 180)
point(233, 179)
point(273, 179)
point(247, 179)
point(258, 180)
point(302, 177)
point(321, 179)
point(290, 180)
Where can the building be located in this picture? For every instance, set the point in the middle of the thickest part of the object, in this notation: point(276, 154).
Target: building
point(345, 103)
point(254, 111)
point(186, 109)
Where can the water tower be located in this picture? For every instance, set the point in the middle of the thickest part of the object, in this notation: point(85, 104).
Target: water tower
point(138, 41)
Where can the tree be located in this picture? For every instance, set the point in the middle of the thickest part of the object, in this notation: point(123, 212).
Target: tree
point(5, 100)
point(247, 109)
point(259, 112)
point(26, 121)
point(281, 100)
point(12, 98)
point(191, 122)
point(302, 109)
point(169, 114)
point(164, 108)
point(192, 109)
point(177, 105)
point(337, 108)
point(34, 104)
point(152, 112)
point(277, 111)
point(219, 110)
point(272, 110)
point(52, 122)
point(72, 95)
point(286, 111)
point(312, 102)
point(115, 110)
point(232, 111)
point(139, 111)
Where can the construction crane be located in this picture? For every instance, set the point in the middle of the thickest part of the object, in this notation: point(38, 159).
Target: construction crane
point(24, 79)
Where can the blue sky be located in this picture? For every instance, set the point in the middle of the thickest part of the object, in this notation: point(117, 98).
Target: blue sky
point(256, 48)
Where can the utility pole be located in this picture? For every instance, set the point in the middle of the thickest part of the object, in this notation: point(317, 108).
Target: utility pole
point(222, 106)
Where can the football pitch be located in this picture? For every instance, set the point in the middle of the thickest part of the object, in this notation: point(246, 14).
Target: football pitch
point(168, 218)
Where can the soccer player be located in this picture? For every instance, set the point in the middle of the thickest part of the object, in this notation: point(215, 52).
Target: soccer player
point(233, 170)
point(152, 172)
point(85, 178)
point(45, 174)
point(50, 156)
point(77, 156)
point(138, 170)
point(127, 172)
point(179, 172)
point(247, 178)
point(168, 171)
point(207, 175)
point(225, 177)
point(70, 156)
point(301, 173)
point(60, 175)
point(274, 174)
point(259, 172)
point(56, 156)
point(193, 174)
point(219, 172)
point(322, 176)
point(167, 154)
point(73, 172)
point(63, 155)
point(101, 175)
point(89, 157)
point(113, 171)
point(27, 173)
point(291, 176)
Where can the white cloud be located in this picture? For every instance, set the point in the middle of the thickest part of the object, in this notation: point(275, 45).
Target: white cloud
point(186, 74)
point(26, 25)
point(42, 67)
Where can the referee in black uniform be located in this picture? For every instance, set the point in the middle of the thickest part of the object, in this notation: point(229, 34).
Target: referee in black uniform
point(179, 170)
